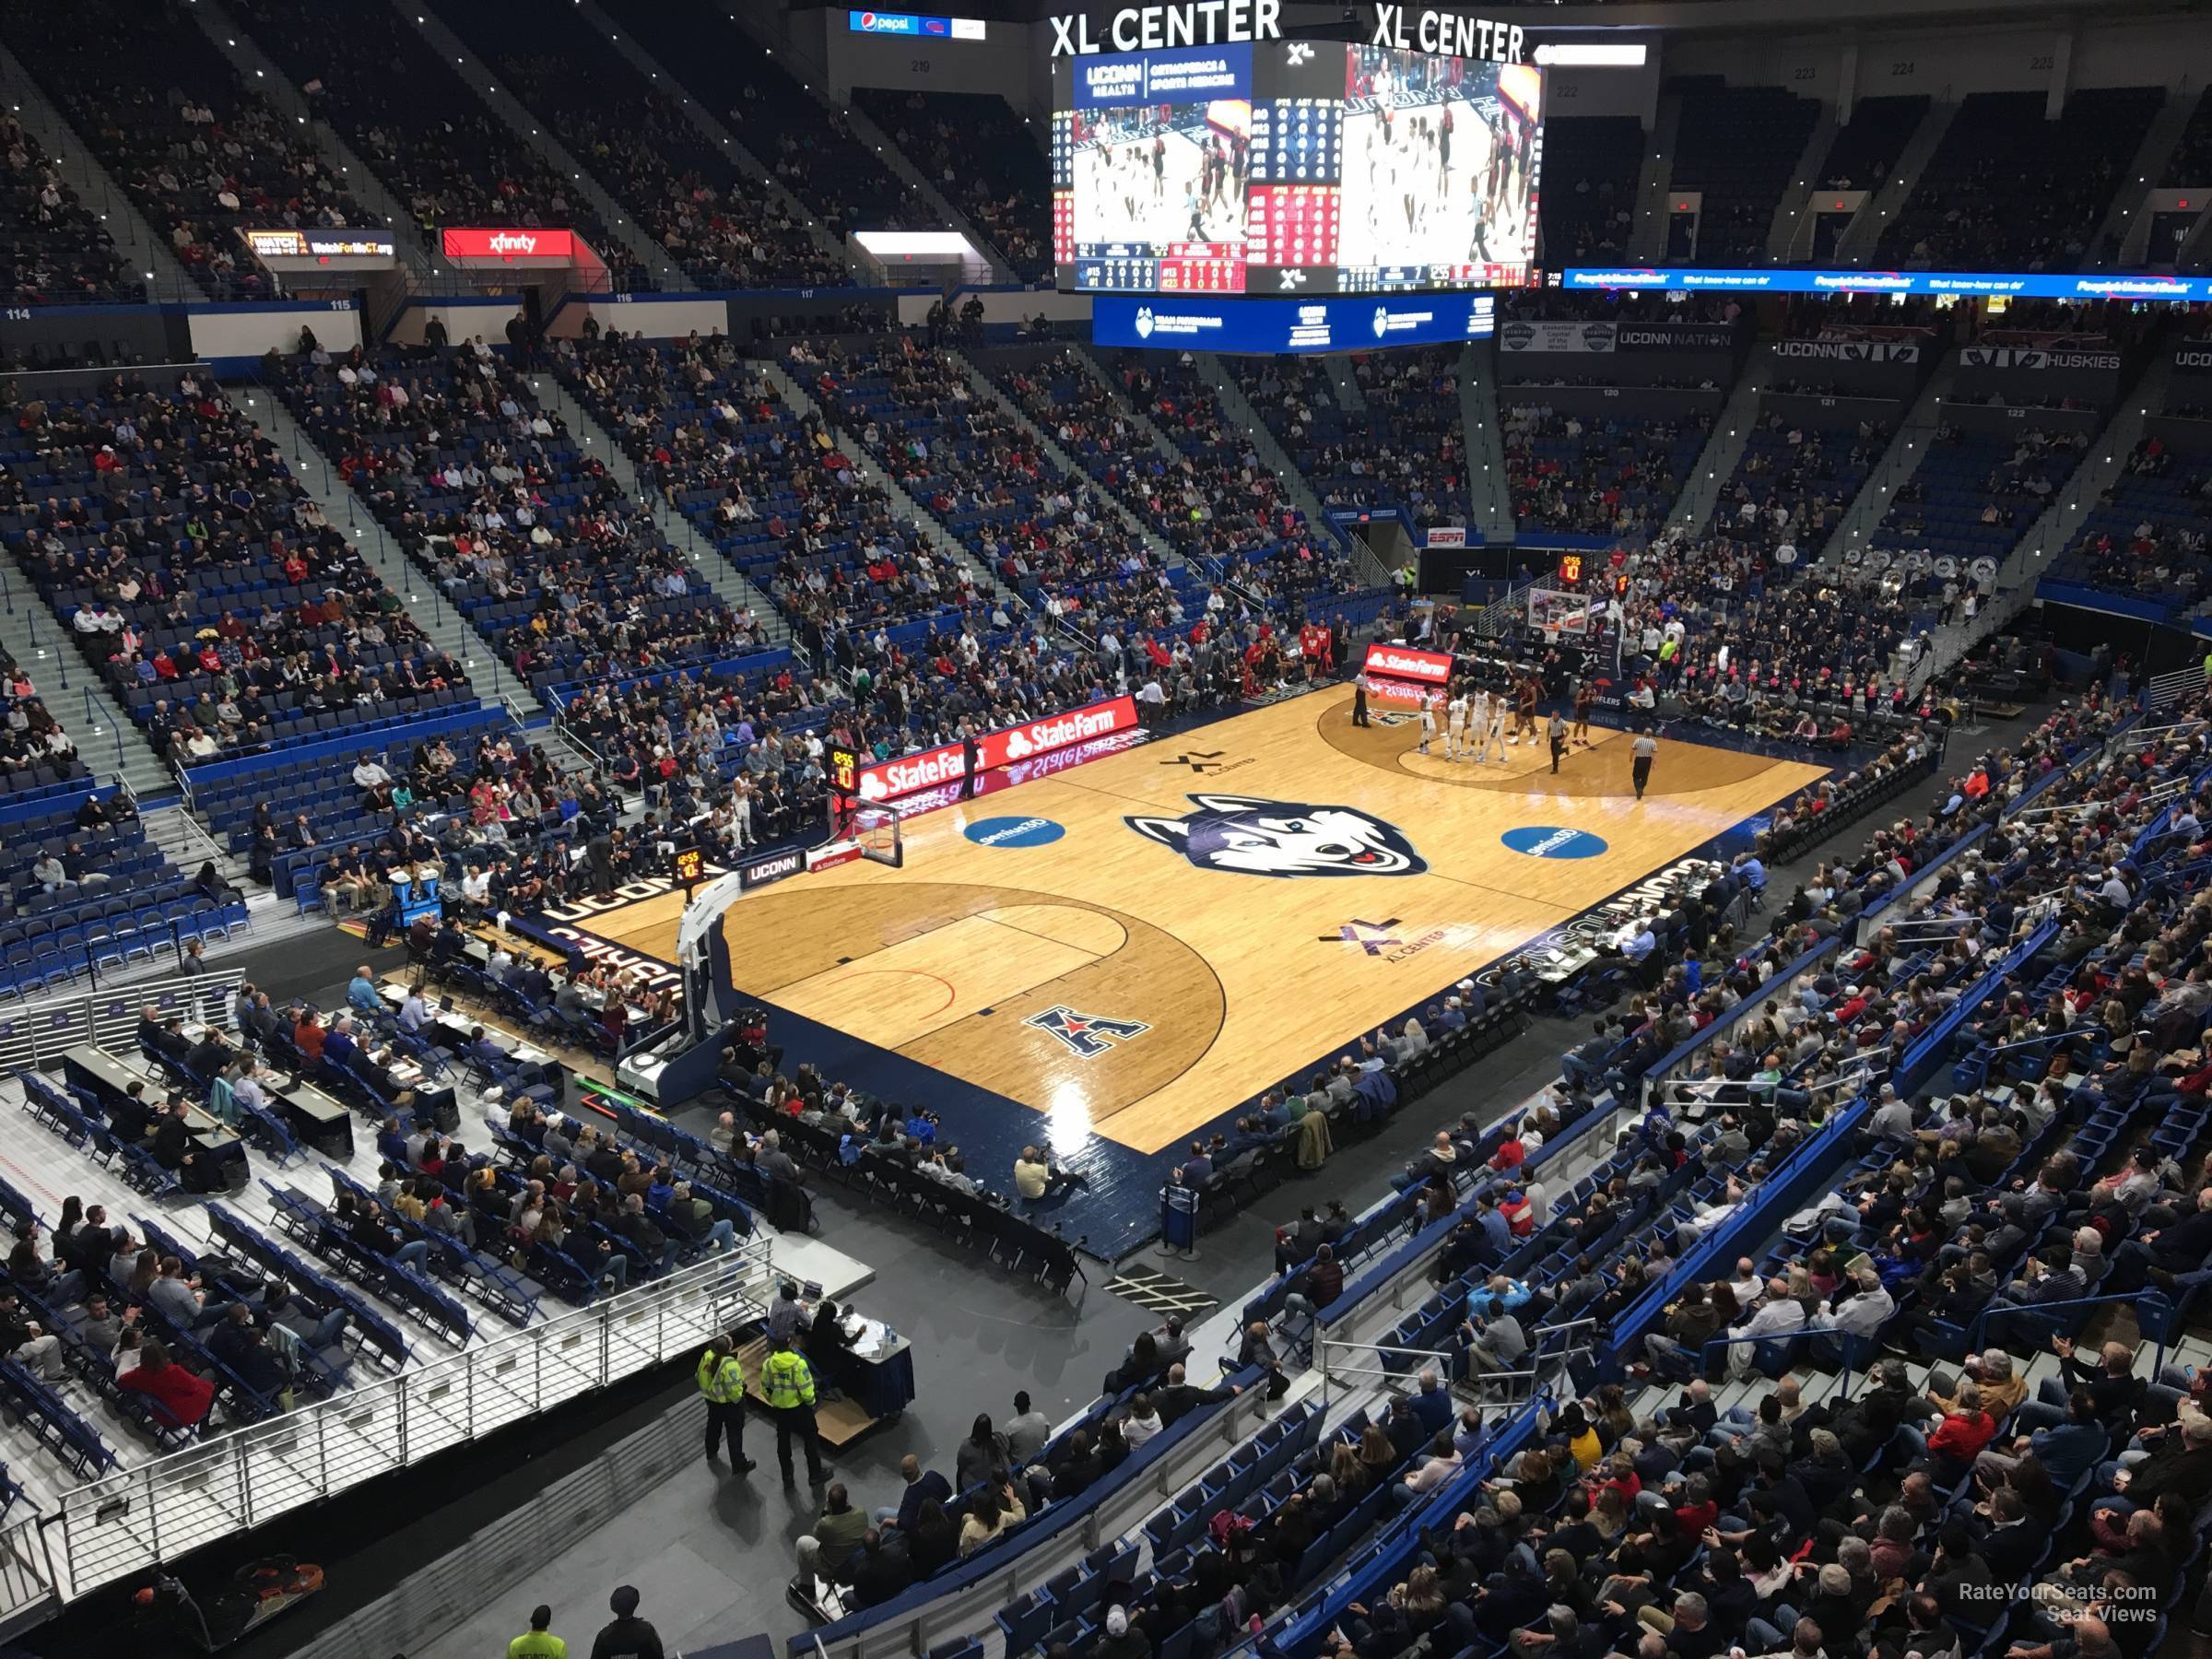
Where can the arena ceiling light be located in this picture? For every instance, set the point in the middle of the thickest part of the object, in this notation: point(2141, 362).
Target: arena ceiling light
point(1591, 55)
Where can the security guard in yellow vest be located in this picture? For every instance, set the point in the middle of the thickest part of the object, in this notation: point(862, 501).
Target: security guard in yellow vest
point(788, 1386)
point(722, 1380)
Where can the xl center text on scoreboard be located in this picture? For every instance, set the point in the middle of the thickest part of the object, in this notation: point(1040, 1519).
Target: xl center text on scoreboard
point(1205, 155)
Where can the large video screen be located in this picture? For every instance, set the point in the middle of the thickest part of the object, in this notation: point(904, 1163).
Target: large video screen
point(1293, 166)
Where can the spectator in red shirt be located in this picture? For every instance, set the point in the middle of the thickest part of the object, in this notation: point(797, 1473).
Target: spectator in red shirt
point(183, 1395)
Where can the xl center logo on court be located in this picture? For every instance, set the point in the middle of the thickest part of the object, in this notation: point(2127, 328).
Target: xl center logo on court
point(1250, 836)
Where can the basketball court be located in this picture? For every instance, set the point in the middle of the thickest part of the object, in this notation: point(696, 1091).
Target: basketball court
point(1137, 945)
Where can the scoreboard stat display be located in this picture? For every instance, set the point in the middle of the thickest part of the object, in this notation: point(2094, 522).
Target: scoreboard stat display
point(1293, 168)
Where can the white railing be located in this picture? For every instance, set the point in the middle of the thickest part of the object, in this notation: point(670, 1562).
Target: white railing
point(2166, 689)
point(1356, 1365)
point(1496, 617)
point(35, 1034)
point(27, 1589)
point(126, 1522)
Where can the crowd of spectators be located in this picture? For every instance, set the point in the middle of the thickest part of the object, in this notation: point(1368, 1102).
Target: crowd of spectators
point(35, 753)
point(1404, 451)
point(394, 805)
point(2147, 534)
point(1043, 532)
point(199, 152)
point(537, 543)
point(726, 229)
point(52, 248)
point(770, 487)
point(2010, 189)
point(200, 577)
point(1975, 493)
point(1605, 475)
point(736, 758)
point(807, 143)
point(1222, 499)
point(983, 157)
point(424, 131)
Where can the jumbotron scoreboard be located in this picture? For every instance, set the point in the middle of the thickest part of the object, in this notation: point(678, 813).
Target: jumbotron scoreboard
point(1202, 164)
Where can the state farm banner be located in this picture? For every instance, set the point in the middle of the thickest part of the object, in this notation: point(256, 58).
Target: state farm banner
point(910, 774)
point(1673, 336)
point(1407, 663)
point(1557, 337)
point(517, 243)
point(1850, 351)
point(2018, 357)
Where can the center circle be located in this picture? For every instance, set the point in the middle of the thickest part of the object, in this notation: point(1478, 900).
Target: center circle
point(1015, 831)
point(1553, 840)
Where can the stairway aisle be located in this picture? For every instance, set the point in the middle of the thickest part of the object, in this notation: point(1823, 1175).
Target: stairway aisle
point(662, 267)
point(107, 740)
point(1717, 462)
point(986, 387)
point(729, 584)
point(424, 603)
point(146, 253)
point(865, 468)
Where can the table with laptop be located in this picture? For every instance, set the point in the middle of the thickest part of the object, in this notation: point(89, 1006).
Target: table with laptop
point(873, 1375)
point(451, 1028)
point(108, 1080)
point(314, 1119)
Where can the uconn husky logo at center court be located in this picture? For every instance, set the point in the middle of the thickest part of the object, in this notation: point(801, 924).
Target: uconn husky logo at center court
point(1283, 838)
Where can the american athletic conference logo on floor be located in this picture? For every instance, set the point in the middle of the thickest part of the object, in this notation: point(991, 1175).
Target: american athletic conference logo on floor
point(1087, 1036)
point(1252, 837)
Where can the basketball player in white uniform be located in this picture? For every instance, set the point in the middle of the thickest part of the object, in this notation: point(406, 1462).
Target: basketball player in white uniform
point(1456, 725)
point(1428, 702)
point(1478, 722)
point(1495, 737)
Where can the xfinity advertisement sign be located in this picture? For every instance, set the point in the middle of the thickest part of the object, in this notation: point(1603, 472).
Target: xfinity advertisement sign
point(1348, 322)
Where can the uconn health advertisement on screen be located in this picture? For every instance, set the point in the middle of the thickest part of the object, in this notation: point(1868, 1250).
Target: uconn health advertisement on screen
point(1347, 323)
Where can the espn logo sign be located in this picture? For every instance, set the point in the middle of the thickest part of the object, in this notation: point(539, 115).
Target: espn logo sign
point(1405, 663)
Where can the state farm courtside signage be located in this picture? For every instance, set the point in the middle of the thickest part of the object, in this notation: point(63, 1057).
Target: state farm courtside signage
point(911, 774)
point(1405, 663)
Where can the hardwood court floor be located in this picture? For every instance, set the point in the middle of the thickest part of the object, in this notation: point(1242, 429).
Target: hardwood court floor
point(1234, 976)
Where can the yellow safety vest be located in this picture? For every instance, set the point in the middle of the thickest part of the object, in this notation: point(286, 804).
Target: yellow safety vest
point(786, 1381)
point(722, 1382)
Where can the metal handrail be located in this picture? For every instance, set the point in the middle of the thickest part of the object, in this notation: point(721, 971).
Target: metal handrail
point(96, 726)
point(1975, 1330)
point(130, 1520)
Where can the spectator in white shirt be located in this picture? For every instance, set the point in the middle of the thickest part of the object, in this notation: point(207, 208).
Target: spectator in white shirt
point(1863, 1312)
point(1780, 1316)
point(1143, 1421)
